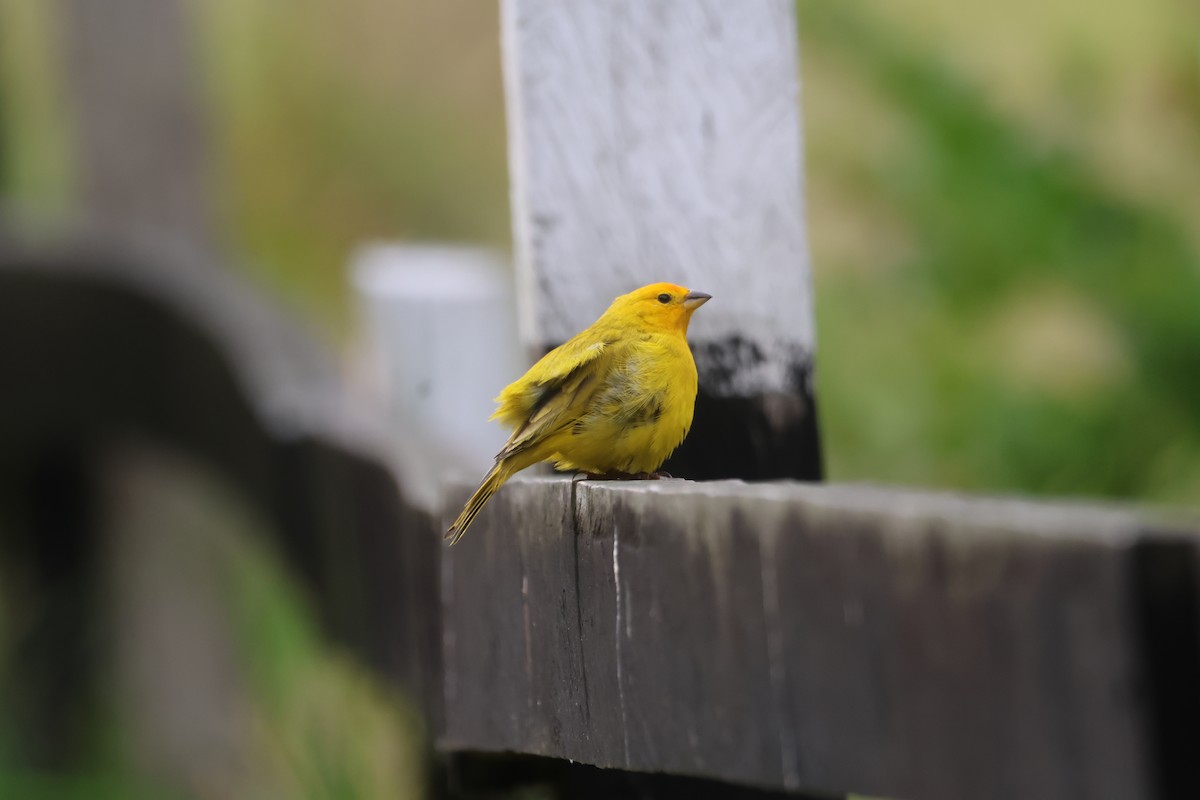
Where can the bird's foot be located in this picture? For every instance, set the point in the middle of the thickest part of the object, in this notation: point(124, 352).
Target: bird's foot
point(615, 475)
point(611, 475)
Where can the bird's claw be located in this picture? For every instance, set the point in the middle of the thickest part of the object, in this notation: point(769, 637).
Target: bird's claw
point(621, 476)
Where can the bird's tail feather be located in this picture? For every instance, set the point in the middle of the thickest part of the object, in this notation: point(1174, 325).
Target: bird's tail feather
point(487, 487)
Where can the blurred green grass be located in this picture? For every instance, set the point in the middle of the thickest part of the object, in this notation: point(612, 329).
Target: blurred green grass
point(1037, 330)
point(309, 721)
point(34, 146)
point(366, 120)
point(329, 729)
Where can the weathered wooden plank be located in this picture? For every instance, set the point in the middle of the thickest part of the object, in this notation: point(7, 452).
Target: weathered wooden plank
point(817, 638)
point(659, 140)
point(99, 347)
point(530, 662)
point(643, 611)
point(976, 649)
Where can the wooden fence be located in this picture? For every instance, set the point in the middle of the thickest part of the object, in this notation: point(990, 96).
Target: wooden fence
point(828, 638)
point(779, 636)
point(712, 639)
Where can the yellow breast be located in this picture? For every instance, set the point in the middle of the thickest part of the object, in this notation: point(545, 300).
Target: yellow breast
point(639, 415)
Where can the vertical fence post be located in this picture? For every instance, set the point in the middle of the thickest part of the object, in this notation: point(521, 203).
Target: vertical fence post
point(141, 150)
point(441, 341)
point(660, 140)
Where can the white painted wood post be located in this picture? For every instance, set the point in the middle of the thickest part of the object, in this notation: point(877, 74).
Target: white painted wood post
point(441, 339)
point(141, 147)
point(660, 140)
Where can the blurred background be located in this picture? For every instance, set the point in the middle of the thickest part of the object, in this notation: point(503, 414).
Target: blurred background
point(1004, 207)
point(1004, 216)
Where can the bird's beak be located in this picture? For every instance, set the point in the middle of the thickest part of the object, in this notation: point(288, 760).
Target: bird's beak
point(693, 300)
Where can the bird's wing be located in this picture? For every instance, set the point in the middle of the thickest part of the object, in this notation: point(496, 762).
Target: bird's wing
point(554, 393)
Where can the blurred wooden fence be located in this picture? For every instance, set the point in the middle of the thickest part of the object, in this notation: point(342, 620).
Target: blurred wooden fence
point(711, 639)
point(114, 359)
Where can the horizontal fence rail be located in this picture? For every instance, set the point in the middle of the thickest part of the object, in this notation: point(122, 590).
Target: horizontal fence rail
point(115, 362)
point(833, 638)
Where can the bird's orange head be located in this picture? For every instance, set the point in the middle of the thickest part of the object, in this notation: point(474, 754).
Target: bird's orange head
point(660, 305)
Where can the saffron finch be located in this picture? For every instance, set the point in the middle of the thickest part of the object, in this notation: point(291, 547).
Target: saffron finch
point(613, 401)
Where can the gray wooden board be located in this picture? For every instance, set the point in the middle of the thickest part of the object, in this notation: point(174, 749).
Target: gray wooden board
point(974, 655)
point(530, 666)
point(715, 681)
point(801, 637)
point(657, 140)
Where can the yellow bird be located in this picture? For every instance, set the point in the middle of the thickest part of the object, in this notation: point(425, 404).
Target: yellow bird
point(613, 401)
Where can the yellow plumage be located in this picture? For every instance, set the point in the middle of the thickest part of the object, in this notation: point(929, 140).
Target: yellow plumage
point(617, 398)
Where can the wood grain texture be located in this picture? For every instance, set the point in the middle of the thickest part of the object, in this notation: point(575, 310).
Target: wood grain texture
point(825, 639)
point(660, 140)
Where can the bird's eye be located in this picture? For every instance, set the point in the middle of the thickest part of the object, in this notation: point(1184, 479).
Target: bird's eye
point(664, 298)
